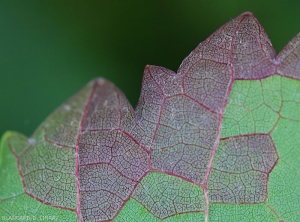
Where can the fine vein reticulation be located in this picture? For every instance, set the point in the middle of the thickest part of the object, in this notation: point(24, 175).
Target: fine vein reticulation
point(96, 153)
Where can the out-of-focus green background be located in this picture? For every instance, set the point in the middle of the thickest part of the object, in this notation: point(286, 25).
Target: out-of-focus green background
point(50, 49)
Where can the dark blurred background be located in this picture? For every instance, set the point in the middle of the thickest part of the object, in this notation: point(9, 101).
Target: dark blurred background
point(50, 49)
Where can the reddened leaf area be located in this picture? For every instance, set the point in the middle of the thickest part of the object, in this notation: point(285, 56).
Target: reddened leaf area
point(219, 135)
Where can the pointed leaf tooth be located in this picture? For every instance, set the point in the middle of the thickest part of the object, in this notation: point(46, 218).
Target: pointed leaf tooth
point(289, 59)
point(253, 56)
point(149, 106)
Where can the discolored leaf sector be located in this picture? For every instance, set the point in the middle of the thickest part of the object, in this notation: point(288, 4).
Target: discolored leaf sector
point(241, 168)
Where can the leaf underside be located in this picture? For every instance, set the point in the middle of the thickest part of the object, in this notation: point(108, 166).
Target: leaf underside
point(216, 141)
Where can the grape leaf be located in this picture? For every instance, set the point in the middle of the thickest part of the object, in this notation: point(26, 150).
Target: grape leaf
point(216, 141)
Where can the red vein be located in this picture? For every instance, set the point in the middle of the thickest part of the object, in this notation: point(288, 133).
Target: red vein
point(77, 150)
point(178, 176)
point(219, 128)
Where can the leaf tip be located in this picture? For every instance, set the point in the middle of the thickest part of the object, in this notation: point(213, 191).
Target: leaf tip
point(99, 81)
point(147, 67)
point(247, 14)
